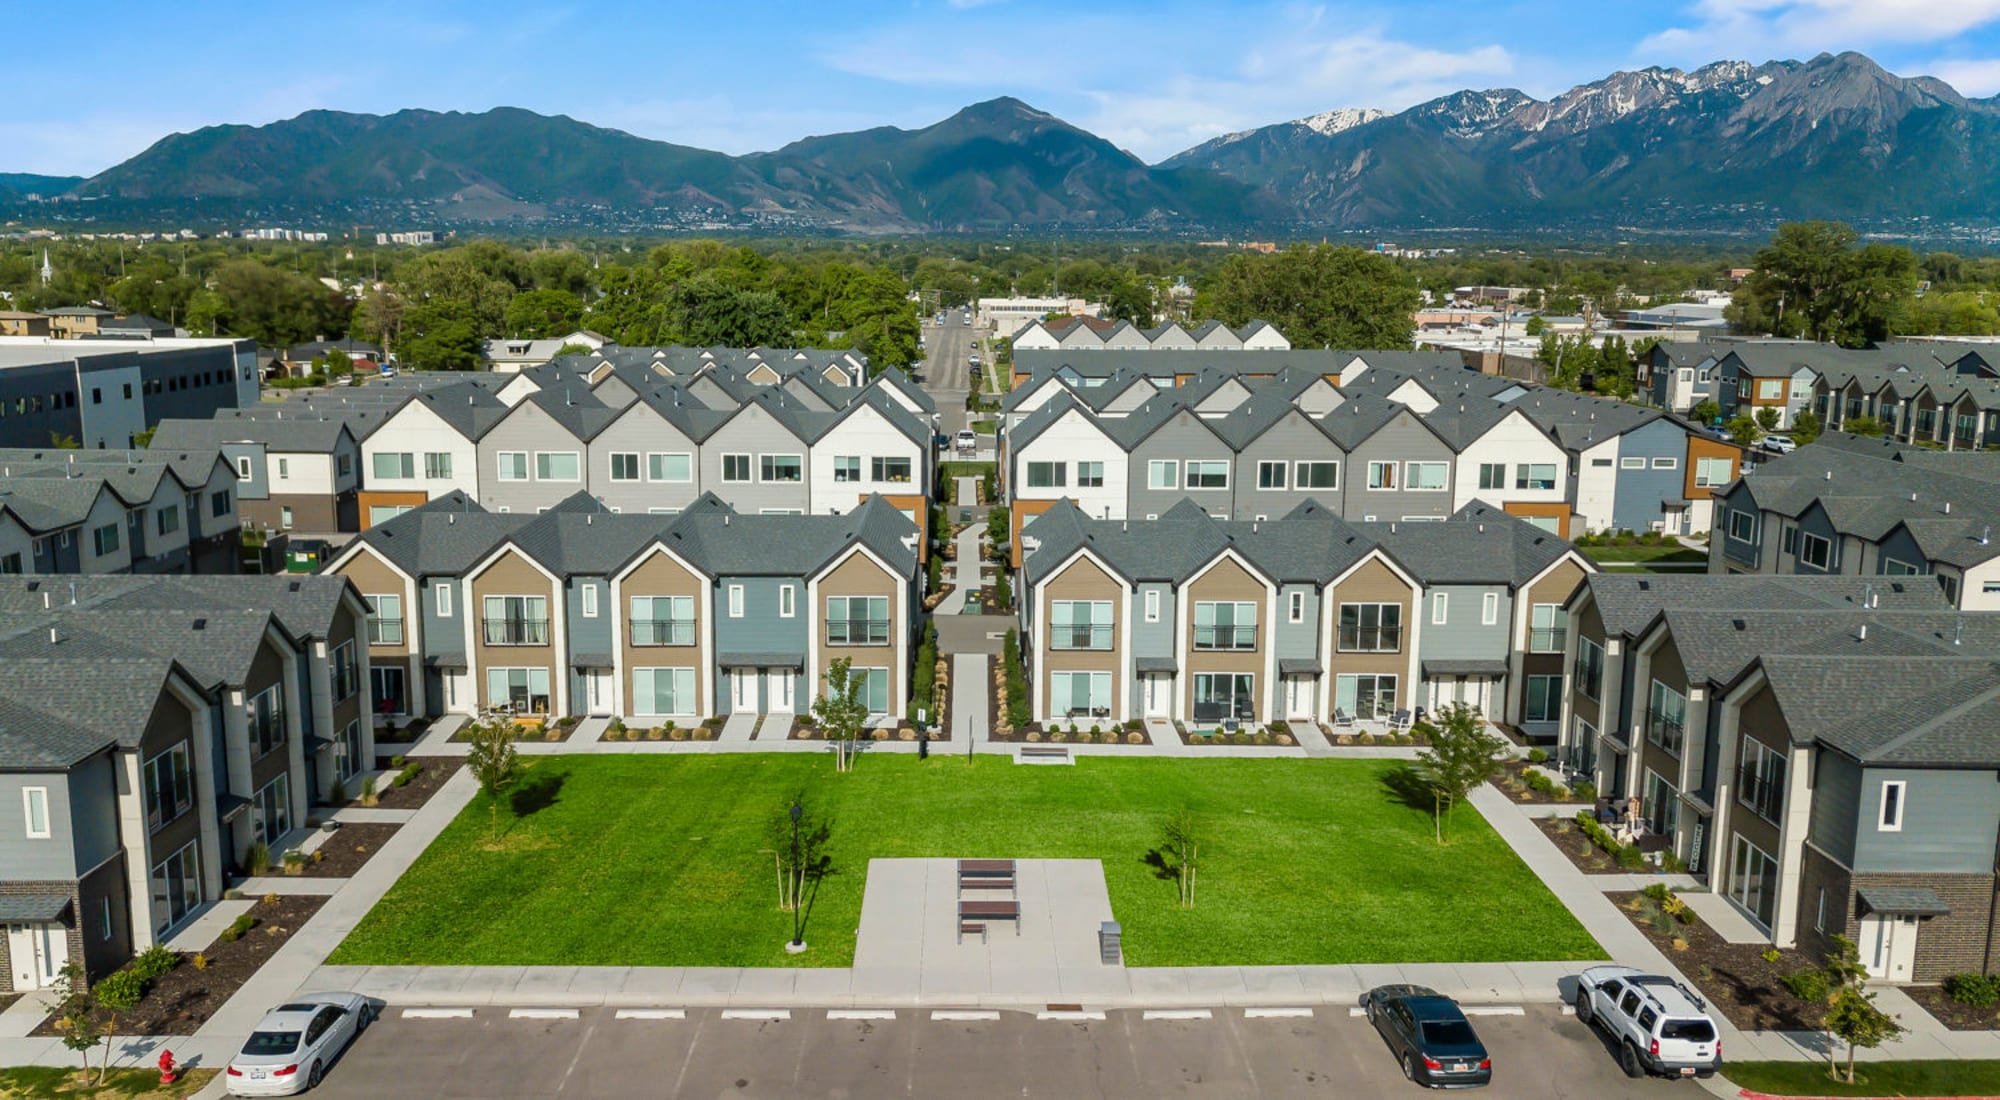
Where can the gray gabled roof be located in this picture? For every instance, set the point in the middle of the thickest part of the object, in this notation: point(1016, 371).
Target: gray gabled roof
point(1922, 711)
point(279, 435)
point(1628, 603)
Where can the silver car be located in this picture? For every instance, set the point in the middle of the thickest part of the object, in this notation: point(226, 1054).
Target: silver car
point(296, 1042)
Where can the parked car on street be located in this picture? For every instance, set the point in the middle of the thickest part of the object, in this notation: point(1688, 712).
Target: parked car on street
point(966, 439)
point(1781, 444)
point(296, 1042)
point(1430, 1036)
point(1661, 1028)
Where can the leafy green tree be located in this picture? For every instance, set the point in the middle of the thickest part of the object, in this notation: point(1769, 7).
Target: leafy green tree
point(1864, 426)
point(1317, 295)
point(1812, 281)
point(1767, 420)
point(1743, 430)
point(1806, 427)
point(1960, 313)
point(1706, 411)
point(269, 305)
point(1180, 840)
point(842, 709)
point(1852, 1016)
point(1568, 359)
point(539, 314)
point(77, 1017)
point(493, 761)
point(808, 861)
point(440, 336)
point(1462, 754)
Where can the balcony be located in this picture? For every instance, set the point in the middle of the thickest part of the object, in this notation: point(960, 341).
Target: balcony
point(1665, 730)
point(1386, 639)
point(1225, 638)
point(516, 631)
point(1548, 639)
point(1080, 636)
point(1763, 794)
point(857, 632)
point(663, 632)
point(385, 631)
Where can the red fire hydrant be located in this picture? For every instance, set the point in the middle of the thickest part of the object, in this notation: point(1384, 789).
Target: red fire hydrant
point(169, 1073)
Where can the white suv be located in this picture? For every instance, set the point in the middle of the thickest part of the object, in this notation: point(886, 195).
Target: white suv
point(1662, 1028)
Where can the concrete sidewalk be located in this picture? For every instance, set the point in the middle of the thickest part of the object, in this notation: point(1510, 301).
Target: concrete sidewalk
point(964, 569)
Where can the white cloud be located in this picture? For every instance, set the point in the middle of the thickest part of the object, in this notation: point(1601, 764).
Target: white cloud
point(1756, 29)
point(1971, 77)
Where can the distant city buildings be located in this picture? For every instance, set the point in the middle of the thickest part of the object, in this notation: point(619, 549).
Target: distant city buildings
point(1006, 317)
point(413, 237)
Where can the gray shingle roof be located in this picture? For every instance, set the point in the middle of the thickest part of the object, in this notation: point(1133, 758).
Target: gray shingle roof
point(1628, 603)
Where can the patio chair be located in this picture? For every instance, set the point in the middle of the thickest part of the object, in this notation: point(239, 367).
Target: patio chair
point(1399, 720)
point(1342, 719)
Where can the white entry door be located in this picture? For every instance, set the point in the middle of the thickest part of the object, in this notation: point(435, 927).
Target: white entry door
point(597, 686)
point(745, 698)
point(1299, 697)
point(1889, 946)
point(39, 952)
point(778, 688)
point(1159, 695)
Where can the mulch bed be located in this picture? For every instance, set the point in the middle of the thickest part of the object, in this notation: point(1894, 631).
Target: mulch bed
point(347, 848)
point(1196, 738)
point(402, 733)
point(1107, 734)
point(526, 731)
point(1733, 977)
point(801, 731)
point(420, 788)
point(1588, 857)
point(1513, 782)
point(1345, 740)
point(182, 999)
point(1950, 1013)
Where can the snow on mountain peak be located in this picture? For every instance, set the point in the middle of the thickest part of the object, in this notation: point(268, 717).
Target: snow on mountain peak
point(1344, 118)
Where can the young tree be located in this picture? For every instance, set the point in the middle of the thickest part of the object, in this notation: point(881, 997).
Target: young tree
point(75, 1015)
point(809, 862)
point(1462, 755)
point(1767, 420)
point(1864, 425)
point(493, 760)
point(1180, 838)
point(1806, 427)
point(1852, 1016)
point(1706, 411)
point(1743, 430)
point(842, 709)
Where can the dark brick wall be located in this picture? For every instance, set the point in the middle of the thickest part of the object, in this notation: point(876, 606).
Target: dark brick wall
point(1817, 871)
point(101, 953)
point(1959, 941)
point(19, 889)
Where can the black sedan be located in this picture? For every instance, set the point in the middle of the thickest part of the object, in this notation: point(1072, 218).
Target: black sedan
point(1432, 1038)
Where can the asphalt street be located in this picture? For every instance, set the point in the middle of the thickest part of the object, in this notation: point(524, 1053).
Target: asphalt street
point(1539, 1054)
point(945, 373)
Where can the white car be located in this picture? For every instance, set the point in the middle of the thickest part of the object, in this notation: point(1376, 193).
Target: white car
point(1781, 444)
point(966, 440)
point(1661, 1027)
point(295, 1043)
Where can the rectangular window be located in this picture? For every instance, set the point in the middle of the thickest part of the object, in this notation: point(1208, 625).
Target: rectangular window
point(857, 620)
point(663, 690)
point(1753, 880)
point(781, 469)
point(1080, 694)
point(1489, 609)
point(1891, 818)
point(513, 465)
point(516, 620)
point(871, 686)
point(243, 468)
point(1270, 475)
point(437, 464)
point(35, 805)
point(1662, 805)
point(1770, 389)
point(1589, 667)
point(169, 519)
point(1761, 781)
point(1711, 472)
point(443, 601)
point(344, 671)
point(1537, 476)
point(1666, 718)
point(736, 467)
point(670, 466)
point(625, 466)
point(846, 468)
point(521, 690)
point(1163, 474)
point(1544, 702)
point(787, 601)
point(265, 714)
point(1893, 568)
point(1048, 475)
point(1631, 463)
point(1365, 696)
point(1207, 474)
point(1371, 627)
point(393, 465)
point(556, 466)
point(590, 601)
point(1493, 475)
point(1814, 550)
point(1090, 475)
point(385, 620)
point(176, 887)
point(285, 518)
point(105, 539)
point(1316, 475)
point(1742, 525)
point(1381, 475)
point(11, 564)
point(1425, 476)
point(1666, 463)
point(1295, 607)
point(284, 469)
point(1440, 607)
point(1225, 625)
point(1080, 624)
point(662, 620)
point(169, 786)
point(894, 469)
point(1548, 628)
point(218, 503)
point(1221, 696)
point(735, 601)
point(1152, 605)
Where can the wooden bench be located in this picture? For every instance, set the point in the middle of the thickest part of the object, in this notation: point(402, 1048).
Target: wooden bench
point(971, 928)
point(984, 882)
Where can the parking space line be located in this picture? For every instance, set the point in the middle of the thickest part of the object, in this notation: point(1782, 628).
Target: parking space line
point(860, 1013)
point(1277, 1013)
point(1356, 1010)
point(1569, 1010)
point(963, 1016)
point(651, 1014)
point(756, 1013)
point(1493, 1010)
point(542, 1014)
point(437, 1014)
point(1177, 1014)
point(1070, 1014)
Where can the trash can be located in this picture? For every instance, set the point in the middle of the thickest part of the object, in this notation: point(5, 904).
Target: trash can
point(1108, 948)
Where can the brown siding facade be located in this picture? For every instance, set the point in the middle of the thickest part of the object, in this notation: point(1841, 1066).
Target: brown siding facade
point(860, 576)
point(1227, 581)
point(510, 574)
point(660, 575)
point(1082, 579)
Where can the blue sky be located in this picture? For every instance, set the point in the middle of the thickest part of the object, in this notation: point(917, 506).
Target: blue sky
point(1155, 76)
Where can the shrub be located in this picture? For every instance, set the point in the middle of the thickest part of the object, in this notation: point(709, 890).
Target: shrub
point(1680, 943)
point(1034, 736)
point(1770, 955)
point(295, 862)
point(124, 987)
point(656, 733)
point(1135, 738)
point(1537, 756)
point(1364, 739)
point(1630, 858)
point(1811, 985)
point(703, 733)
point(1973, 990)
point(408, 773)
point(1658, 891)
point(1584, 791)
point(155, 961)
point(200, 961)
point(258, 861)
point(398, 761)
point(237, 928)
point(368, 795)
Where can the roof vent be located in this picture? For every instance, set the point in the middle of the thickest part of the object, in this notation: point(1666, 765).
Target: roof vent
point(1985, 535)
point(1947, 507)
point(1645, 586)
point(450, 518)
point(1829, 475)
point(725, 519)
point(201, 624)
point(1957, 631)
point(1862, 634)
point(52, 635)
point(294, 586)
point(1737, 623)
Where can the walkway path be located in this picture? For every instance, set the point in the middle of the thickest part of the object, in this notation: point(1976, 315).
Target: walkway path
point(738, 728)
point(969, 718)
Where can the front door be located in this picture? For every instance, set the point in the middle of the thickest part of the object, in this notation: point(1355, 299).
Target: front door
point(744, 699)
point(597, 691)
point(1889, 946)
point(1299, 695)
point(778, 688)
point(390, 686)
point(1159, 695)
point(39, 952)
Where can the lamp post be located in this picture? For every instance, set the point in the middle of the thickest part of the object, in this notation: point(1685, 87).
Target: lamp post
point(798, 943)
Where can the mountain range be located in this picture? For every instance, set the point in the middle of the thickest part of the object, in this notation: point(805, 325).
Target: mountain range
point(1727, 144)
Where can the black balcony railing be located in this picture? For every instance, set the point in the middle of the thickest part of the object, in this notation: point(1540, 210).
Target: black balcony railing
point(1547, 639)
point(1378, 639)
point(1225, 637)
point(1080, 636)
point(1763, 791)
point(385, 631)
point(516, 631)
point(1665, 730)
point(857, 632)
point(662, 631)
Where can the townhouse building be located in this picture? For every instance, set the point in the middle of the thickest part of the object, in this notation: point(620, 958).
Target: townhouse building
point(1304, 617)
point(299, 472)
point(1854, 506)
point(103, 393)
point(580, 610)
point(117, 511)
point(1094, 334)
point(1817, 749)
point(141, 766)
point(1919, 393)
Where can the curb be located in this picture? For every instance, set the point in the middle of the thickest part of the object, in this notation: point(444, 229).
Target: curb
point(1751, 1094)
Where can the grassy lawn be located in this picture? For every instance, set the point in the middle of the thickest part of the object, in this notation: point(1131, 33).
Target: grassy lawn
point(1643, 553)
point(1940, 1078)
point(125, 1084)
point(659, 861)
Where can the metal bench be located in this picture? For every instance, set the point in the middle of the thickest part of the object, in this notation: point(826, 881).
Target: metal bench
point(1045, 752)
point(981, 882)
point(971, 928)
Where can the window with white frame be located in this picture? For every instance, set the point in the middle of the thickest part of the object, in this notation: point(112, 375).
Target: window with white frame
point(1489, 609)
point(1090, 475)
point(1425, 476)
point(672, 466)
point(1163, 474)
point(443, 598)
point(1295, 607)
point(1270, 475)
point(1814, 550)
point(1537, 476)
point(735, 601)
point(1893, 568)
point(515, 620)
point(176, 886)
point(1548, 628)
point(104, 540)
point(1666, 718)
point(1371, 627)
point(385, 619)
point(1711, 472)
point(1544, 703)
point(243, 468)
point(1667, 463)
point(1440, 607)
point(35, 811)
point(1224, 695)
point(1048, 475)
point(1381, 475)
point(1631, 463)
point(437, 464)
point(511, 465)
point(1080, 694)
point(625, 466)
point(345, 671)
point(557, 466)
point(846, 468)
point(857, 620)
point(265, 715)
point(1753, 880)
point(1589, 667)
point(1152, 605)
point(1770, 389)
point(1207, 474)
point(590, 600)
point(1889, 819)
point(663, 691)
point(780, 469)
point(393, 465)
point(1225, 625)
point(662, 620)
point(521, 690)
point(891, 469)
point(1316, 475)
point(169, 519)
point(871, 687)
point(736, 468)
point(1742, 525)
point(788, 595)
point(1080, 624)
